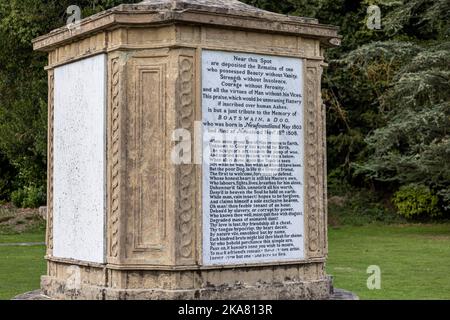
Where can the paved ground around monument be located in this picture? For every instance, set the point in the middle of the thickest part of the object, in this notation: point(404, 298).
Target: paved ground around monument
point(414, 261)
point(338, 294)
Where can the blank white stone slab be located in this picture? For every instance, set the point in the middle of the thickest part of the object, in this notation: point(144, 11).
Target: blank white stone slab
point(79, 160)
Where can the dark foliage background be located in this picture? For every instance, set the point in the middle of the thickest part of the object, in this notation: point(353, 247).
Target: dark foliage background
point(387, 94)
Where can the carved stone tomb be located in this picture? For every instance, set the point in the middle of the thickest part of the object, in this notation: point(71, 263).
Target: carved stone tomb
point(145, 101)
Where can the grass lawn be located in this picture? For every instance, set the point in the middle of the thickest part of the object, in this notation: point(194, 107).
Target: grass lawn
point(20, 267)
point(414, 260)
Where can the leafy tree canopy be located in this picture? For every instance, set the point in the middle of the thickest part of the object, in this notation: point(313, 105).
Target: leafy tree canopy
point(386, 92)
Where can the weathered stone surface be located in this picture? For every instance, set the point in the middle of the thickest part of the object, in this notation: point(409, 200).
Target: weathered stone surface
point(216, 6)
point(43, 212)
point(153, 239)
point(229, 13)
point(33, 295)
point(279, 291)
point(338, 294)
point(307, 281)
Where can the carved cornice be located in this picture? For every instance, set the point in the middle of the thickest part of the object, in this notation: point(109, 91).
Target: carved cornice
point(151, 15)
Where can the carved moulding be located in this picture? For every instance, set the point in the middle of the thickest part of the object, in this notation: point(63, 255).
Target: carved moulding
point(49, 233)
point(314, 163)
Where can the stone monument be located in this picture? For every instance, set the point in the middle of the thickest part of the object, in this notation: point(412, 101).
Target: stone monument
point(145, 101)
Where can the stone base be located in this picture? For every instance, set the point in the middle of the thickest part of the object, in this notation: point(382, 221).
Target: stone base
point(73, 281)
point(32, 295)
point(314, 290)
point(338, 294)
point(70, 280)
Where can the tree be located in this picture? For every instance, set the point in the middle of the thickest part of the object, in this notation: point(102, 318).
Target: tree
point(23, 89)
point(386, 91)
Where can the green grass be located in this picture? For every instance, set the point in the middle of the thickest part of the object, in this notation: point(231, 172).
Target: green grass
point(20, 267)
point(414, 260)
point(37, 236)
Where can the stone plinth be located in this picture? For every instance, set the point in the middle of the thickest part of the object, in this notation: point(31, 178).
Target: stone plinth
point(126, 220)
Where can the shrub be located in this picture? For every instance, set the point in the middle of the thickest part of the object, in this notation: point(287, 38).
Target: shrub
point(416, 201)
point(17, 197)
point(445, 199)
point(29, 197)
